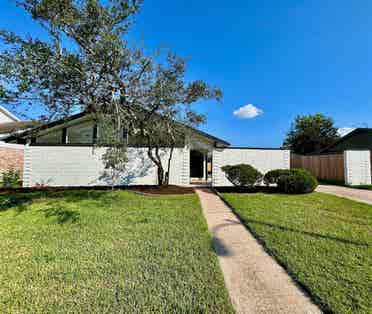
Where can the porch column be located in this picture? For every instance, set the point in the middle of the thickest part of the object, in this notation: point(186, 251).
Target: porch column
point(205, 167)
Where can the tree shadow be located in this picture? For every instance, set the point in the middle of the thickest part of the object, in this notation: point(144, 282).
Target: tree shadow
point(62, 215)
point(354, 218)
point(356, 221)
point(138, 166)
point(21, 202)
point(311, 234)
point(218, 246)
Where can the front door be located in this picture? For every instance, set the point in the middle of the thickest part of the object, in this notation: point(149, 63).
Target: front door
point(196, 164)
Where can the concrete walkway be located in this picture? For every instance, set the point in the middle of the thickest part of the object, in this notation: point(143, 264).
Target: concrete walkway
point(256, 283)
point(364, 196)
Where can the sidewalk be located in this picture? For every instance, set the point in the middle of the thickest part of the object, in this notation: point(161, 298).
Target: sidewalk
point(256, 283)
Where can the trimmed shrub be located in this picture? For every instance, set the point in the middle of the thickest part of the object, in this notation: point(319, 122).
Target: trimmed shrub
point(298, 181)
point(11, 179)
point(272, 176)
point(242, 175)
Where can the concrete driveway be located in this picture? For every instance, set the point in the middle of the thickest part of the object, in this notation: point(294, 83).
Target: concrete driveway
point(364, 196)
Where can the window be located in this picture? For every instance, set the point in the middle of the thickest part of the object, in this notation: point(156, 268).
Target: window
point(80, 133)
point(50, 138)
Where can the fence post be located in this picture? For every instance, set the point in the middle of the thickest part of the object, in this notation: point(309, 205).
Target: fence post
point(357, 167)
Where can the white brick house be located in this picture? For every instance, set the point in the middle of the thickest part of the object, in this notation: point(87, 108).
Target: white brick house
point(63, 153)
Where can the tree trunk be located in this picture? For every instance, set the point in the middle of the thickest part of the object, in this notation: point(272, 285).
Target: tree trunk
point(157, 161)
point(161, 180)
point(167, 175)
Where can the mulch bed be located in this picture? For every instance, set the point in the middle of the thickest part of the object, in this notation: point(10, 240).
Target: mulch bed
point(143, 189)
point(162, 190)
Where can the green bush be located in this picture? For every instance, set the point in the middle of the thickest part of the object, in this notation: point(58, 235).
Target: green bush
point(272, 176)
point(297, 181)
point(11, 179)
point(242, 175)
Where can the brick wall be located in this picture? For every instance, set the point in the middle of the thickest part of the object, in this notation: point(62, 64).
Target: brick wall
point(262, 159)
point(83, 166)
point(11, 158)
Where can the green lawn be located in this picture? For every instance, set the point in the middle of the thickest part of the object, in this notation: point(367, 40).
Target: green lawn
point(324, 241)
point(361, 187)
point(341, 183)
point(107, 252)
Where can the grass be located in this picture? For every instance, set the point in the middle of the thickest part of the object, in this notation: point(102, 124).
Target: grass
point(361, 187)
point(341, 183)
point(107, 252)
point(324, 242)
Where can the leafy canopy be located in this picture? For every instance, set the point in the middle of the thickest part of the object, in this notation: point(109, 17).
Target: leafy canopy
point(86, 64)
point(312, 133)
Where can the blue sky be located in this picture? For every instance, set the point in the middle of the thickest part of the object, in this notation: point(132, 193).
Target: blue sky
point(283, 57)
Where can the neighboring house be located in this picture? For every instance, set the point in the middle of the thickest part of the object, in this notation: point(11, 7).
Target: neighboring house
point(11, 155)
point(358, 139)
point(6, 116)
point(10, 124)
point(64, 153)
point(348, 160)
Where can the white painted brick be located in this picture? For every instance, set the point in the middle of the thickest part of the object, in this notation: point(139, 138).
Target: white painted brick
point(83, 166)
point(262, 159)
point(357, 167)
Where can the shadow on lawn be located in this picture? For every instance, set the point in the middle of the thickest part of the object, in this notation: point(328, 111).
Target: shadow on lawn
point(311, 234)
point(21, 201)
point(62, 216)
point(360, 221)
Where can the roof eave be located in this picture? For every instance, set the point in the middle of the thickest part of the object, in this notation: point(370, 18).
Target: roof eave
point(14, 136)
point(9, 114)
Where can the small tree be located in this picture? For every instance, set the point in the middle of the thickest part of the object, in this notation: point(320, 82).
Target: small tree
point(168, 113)
point(11, 178)
point(309, 134)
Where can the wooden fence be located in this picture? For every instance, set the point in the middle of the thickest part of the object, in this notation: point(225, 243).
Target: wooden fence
point(327, 167)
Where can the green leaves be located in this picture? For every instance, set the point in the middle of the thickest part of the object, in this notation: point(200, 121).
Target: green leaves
point(310, 134)
point(242, 175)
point(85, 64)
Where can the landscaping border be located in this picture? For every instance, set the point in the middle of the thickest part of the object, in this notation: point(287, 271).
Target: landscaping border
point(141, 189)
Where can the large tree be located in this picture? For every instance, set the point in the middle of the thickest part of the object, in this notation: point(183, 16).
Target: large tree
point(86, 64)
point(310, 134)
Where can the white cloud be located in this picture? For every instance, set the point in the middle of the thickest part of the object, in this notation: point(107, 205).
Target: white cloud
point(344, 131)
point(247, 112)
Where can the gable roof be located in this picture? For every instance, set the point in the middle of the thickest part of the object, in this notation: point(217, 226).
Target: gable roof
point(348, 137)
point(8, 114)
point(14, 136)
